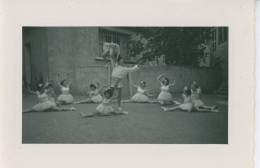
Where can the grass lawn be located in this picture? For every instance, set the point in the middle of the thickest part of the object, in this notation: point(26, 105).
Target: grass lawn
point(145, 124)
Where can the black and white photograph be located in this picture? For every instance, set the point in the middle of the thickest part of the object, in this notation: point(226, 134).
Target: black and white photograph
point(125, 85)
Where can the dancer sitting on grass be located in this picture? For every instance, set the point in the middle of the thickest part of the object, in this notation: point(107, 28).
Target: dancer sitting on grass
point(198, 104)
point(142, 96)
point(94, 94)
point(45, 102)
point(50, 92)
point(112, 52)
point(65, 97)
point(187, 103)
point(105, 108)
point(165, 97)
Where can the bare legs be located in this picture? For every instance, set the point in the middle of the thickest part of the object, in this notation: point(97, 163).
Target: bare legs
point(84, 102)
point(95, 114)
point(51, 109)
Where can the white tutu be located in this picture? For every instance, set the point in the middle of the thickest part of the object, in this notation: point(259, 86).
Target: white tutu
point(165, 96)
point(67, 98)
point(139, 97)
point(97, 98)
point(44, 106)
point(186, 106)
point(197, 103)
point(120, 71)
point(101, 108)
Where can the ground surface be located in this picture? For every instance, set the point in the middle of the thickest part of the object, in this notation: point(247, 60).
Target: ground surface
point(145, 124)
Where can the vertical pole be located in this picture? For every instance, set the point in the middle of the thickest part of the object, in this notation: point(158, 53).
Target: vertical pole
point(130, 84)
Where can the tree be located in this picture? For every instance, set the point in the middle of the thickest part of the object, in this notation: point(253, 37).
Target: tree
point(179, 45)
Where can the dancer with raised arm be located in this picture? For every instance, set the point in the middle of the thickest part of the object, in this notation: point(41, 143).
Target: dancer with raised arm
point(65, 97)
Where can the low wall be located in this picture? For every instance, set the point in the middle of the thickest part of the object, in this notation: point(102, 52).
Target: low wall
point(205, 77)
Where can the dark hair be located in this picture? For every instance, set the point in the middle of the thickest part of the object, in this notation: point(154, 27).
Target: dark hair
point(62, 82)
point(167, 80)
point(195, 83)
point(92, 85)
point(188, 92)
point(49, 85)
point(109, 91)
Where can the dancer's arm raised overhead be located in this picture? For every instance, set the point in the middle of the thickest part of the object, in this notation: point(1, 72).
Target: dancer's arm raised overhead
point(172, 84)
point(135, 86)
point(69, 79)
point(159, 78)
point(57, 80)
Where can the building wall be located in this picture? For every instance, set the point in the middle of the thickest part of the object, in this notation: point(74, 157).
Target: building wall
point(35, 46)
point(71, 48)
point(205, 77)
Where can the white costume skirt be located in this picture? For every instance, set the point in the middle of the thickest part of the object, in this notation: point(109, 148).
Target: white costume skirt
point(101, 108)
point(67, 98)
point(96, 99)
point(139, 97)
point(165, 96)
point(186, 106)
point(198, 103)
point(120, 72)
point(44, 106)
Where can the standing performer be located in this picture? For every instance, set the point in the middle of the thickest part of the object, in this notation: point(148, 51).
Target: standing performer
point(94, 94)
point(112, 52)
point(198, 104)
point(105, 108)
point(65, 97)
point(165, 97)
point(45, 102)
point(142, 96)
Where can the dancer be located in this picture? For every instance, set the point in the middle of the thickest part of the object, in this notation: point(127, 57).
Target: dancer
point(94, 94)
point(45, 103)
point(112, 53)
point(187, 103)
point(105, 108)
point(65, 97)
point(198, 104)
point(142, 96)
point(165, 97)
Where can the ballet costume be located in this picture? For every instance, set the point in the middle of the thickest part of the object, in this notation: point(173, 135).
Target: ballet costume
point(105, 107)
point(195, 97)
point(112, 48)
point(65, 96)
point(165, 95)
point(120, 72)
point(44, 103)
point(187, 103)
point(96, 97)
point(140, 96)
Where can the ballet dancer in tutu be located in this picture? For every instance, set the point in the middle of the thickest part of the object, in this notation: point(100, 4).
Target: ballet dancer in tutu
point(187, 103)
point(198, 104)
point(65, 97)
point(105, 108)
point(142, 96)
point(94, 94)
point(45, 102)
point(111, 51)
point(165, 97)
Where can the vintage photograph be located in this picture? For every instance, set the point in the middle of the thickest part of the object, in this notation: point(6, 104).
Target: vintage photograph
point(125, 85)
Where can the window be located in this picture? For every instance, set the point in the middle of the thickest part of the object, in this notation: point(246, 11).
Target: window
point(214, 41)
point(222, 35)
point(109, 36)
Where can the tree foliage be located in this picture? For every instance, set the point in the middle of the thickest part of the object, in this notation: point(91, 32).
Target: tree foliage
point(179, 45)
